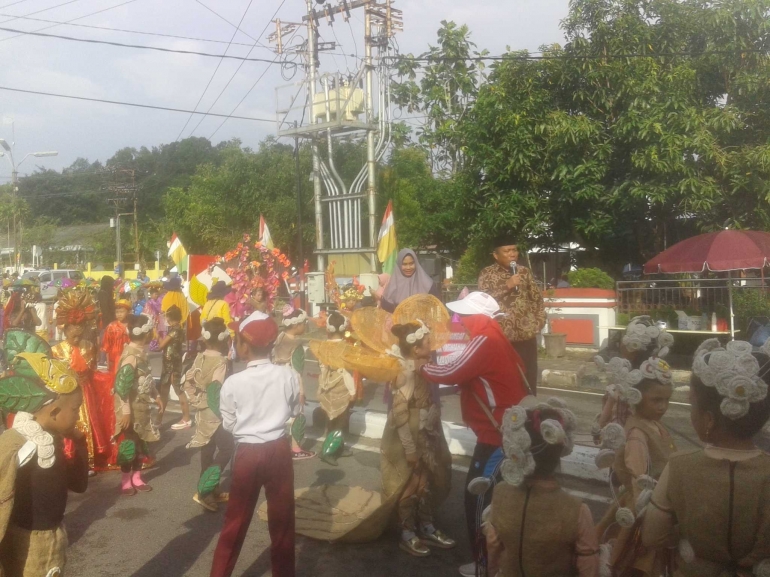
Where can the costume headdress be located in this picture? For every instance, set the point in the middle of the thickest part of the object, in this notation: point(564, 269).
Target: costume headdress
point(290, 321)
point(734, 372)
point(642, 335)
point(76, 307)
point(123, 304)
point(144, 329)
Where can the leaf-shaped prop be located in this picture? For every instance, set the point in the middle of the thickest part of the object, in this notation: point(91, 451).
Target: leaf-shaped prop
point(18, 341)
point(19, 393)
point(332, 444)
point(298, 428)
point(22, 368)
point(198, 291)
point(372, 325)
point(298, 359)
point(126, 453)
point(209, 480)
point(429, 310)
point(124, 381)
point(212, 397)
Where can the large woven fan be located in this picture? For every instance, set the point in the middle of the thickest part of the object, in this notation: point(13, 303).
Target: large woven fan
point(374, 366)
point(330, 353)
point(429, 310)
point(372, 325)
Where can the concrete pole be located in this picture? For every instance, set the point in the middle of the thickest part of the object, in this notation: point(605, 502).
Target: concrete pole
point(370, 144)
point(312, 41)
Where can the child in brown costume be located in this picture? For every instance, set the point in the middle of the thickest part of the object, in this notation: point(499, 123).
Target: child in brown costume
point(533, 527)
point(713, 504)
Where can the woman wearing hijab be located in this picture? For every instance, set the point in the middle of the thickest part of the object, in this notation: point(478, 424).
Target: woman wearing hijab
point(408, 278)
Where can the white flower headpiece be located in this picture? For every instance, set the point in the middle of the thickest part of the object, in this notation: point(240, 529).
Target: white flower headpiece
point(332, 329)
point(221, 337)
point(298, 320)
point(25, 424)
point(419, 334)
point(734, 372)
point(148, 326)
point(623, 379)
point(642, 334)
point(517, 444)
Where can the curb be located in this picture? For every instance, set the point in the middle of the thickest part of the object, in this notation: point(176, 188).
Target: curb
point(461, 441)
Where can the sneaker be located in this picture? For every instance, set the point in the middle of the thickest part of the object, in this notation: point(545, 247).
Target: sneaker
point(468, 570)
point(181, 425)
point(438, 539)
point(415, 547)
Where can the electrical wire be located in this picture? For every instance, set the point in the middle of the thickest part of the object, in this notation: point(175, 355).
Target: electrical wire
point(142, 32)
point(12, 4)
point(237, 28)
point(39, 11)
point(270, 21)
point(68, 21)
point(134, 104)
point(139, 46)
point(216, 69)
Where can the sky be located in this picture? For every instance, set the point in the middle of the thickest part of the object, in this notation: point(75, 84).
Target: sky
point(95, 131)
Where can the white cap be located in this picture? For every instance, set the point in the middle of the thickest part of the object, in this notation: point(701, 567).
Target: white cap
point(476, 303)
point(255, 316)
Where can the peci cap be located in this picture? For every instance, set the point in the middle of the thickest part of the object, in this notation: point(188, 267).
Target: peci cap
point(258, 329)
point(476, 303)
point(504, 239)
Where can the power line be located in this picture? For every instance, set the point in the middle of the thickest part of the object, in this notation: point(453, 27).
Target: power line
point(134, 104)
point(215, 70)
point(68, 21)
point(127, 31)
point(12, 4)
point(39, 11)
point(237, 28)
point(140, 46)
point(270, 21)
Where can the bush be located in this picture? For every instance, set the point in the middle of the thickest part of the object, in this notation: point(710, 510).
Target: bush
point(475, 258)
point(748, 304)
point(590, 278)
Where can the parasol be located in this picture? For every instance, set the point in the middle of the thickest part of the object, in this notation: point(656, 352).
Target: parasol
point(722, 251)
point(24, 282)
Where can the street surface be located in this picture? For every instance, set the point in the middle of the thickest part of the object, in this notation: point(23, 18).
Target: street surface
point(164, 533)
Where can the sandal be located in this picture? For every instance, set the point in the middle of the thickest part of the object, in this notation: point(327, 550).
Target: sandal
point(181, 425)
point(301, 455)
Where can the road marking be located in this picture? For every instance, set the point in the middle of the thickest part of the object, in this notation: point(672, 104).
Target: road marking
point(539, 388)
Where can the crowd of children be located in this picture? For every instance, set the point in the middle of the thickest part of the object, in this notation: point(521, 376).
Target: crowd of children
point(71, 419)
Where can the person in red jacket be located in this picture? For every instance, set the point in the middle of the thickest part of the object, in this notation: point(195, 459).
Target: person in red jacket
point(490, 375)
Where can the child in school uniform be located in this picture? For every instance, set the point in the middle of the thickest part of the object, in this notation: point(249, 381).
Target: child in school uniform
point(256, 405)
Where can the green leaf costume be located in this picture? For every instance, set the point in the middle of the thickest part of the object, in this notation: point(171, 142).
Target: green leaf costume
point(124, 381)
point(209, 480)
point(126, 453)
point(212, 397)
point(332, 444)
point(298, 359)
point(21, 393)
point(17, 341)
point(298, 428)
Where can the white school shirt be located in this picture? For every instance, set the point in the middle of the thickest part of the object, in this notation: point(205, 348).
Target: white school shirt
point(257, 403)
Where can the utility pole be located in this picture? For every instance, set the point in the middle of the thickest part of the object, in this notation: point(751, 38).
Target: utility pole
point(124, 187)
point(312, 62)
point(300, 251)
point(371, 162)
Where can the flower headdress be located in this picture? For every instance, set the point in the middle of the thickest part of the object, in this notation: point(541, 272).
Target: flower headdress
point(221, 337)
point(623, 378)
point(332, 329)
point(519, 462)
point(642, 335)
point(144, 329)
point(289, 321)
point(76, 307)
point(734, 372)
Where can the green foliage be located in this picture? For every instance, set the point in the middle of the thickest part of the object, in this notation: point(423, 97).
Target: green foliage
point(590, 278)
point(126, 453)
point(332, 444)
point(124, 381)
point(475, 258)
point(212, 397)
point(298, 428)
point(209, 480)
point(749, 303)
point(20, 393)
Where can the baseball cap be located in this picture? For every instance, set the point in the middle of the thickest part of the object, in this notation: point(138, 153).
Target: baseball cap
point(258, 329)
point(476, 303)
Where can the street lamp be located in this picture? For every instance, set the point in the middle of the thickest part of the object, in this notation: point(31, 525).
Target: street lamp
point(15, 182)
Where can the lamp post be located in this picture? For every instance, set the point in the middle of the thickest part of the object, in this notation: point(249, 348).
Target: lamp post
point(8, 152)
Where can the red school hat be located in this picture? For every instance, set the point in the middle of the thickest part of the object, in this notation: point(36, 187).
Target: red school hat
point(258, 329)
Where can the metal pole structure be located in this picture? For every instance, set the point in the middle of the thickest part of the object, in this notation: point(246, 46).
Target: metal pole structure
point(118, 251)
point(312, 41)
point(300, 248)
point(370, 145)
point(136, 232)
point(15, 192)
point(732, 314)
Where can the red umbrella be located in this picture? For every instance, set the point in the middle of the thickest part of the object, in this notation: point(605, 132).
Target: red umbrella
point(726, 250)
point(723, 251)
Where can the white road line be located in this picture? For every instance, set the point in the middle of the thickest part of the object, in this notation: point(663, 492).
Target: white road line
point(539, 388)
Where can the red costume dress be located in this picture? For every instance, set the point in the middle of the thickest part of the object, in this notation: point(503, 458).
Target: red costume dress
point(115, 338)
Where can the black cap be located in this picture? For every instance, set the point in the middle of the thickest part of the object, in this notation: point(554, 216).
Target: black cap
point(504, 239)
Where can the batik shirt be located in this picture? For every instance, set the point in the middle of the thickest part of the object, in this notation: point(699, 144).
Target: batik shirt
point(524, 309)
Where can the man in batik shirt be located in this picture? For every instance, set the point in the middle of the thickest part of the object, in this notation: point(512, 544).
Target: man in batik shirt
point(519, 297)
